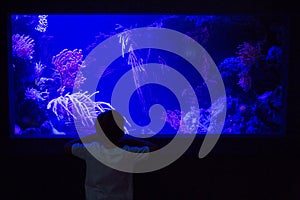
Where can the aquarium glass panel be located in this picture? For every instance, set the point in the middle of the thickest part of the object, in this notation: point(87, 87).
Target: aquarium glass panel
point(58, 82)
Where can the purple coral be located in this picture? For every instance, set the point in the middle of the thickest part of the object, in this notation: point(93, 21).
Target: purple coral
point(173, 118)
point(33, 94)
point(245, 81)
point(68, 64)
point(22, 46)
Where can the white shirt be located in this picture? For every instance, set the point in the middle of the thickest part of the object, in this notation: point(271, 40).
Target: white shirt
point(101, 181)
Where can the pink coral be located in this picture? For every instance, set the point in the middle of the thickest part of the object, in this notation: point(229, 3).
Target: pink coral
point(68, 64)
point(248, 53)
point(22, 46)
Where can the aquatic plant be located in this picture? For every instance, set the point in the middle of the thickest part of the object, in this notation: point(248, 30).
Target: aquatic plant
point(68, 63)
point(42, 24)
point(22, 46)
point(79, 106)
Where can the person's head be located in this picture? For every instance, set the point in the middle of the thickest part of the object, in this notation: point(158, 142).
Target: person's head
point(110, 123)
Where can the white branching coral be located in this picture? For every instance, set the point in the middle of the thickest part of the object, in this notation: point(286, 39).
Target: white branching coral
point(79, 106)
point(135, 62)
point(123, 38)
point(43, 23)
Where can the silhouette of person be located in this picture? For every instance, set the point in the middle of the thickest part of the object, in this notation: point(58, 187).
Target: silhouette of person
point(101, 181)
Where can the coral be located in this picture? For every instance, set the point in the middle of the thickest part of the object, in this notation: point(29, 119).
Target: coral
point(79, 80)
point(123, 38)
point(136, 66)
point(190, 121)
point(196, 120)
point(68, 63)
point(201, 31)
point(79, 106)
point(245, 81)
point(274, 54)
point(218, 107)
point(18, 130)
point(231, 64)
point(133, 59)
point(43, 23)
point(44, 83)
point(270, 105)
point(33, 94)
point(249, 53)
point(38, 70)
point(22, 46)
point(135, 62)
point(173, 118)
point(229, 69)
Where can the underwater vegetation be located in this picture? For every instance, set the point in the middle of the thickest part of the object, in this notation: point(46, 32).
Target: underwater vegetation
point(46, 70)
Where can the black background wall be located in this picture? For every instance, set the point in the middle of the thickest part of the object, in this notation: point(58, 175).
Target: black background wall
point(237, 168)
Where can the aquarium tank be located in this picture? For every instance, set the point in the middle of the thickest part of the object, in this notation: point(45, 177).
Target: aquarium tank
point(65, 69)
